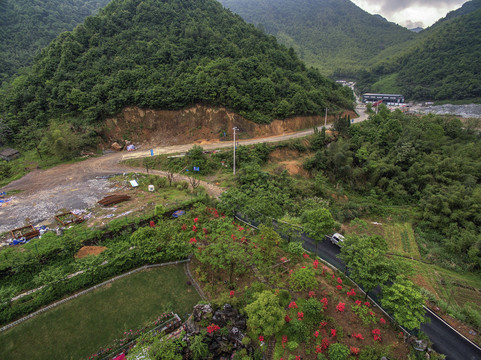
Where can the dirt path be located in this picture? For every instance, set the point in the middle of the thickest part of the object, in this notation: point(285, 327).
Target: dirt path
point(79, 185)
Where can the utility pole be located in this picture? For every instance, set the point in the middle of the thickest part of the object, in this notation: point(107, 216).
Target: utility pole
point(325, 119)
point(235, 129)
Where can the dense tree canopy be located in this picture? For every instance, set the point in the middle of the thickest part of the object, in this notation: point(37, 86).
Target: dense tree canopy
point(443, 64)
point(335, 36)
point(167, 55)
point(27, 26)
point(431, 162)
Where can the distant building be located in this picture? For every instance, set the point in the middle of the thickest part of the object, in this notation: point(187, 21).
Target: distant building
point(388, 99)
point(351, 84)
point(9, 154)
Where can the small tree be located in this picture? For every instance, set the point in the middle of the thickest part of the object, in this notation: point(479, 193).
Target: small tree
point(366, 260)
point(405, 301)
point(318, 223)
point(265, 316)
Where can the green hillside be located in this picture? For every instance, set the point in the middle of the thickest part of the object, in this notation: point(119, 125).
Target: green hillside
point(443, 64)
point(335, 36)
point(167, 55)
point(26, 26)
point(467, 8)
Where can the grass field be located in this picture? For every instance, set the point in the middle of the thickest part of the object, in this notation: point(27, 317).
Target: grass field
point(80, 327)
point(401, 240)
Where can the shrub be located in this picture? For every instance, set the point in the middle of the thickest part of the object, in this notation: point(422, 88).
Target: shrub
point(338, 352)
point(292, 345)
point(298, 330)
point(295, 248)
point(303, 279)
point(473, 316)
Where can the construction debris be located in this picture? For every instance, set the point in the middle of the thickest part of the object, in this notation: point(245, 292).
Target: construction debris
point(27, 232)
point(113, 199)
point(68, 218)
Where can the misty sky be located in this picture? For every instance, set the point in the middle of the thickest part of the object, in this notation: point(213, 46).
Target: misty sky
point(410, 13)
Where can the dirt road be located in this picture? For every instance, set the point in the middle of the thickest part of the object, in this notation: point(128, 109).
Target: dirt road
point(76, 186)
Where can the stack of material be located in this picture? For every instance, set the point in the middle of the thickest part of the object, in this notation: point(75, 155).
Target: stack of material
point(68, 218)
point(27, 232)
point(113, 199)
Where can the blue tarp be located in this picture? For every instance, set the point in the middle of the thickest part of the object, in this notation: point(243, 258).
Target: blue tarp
point(178, 213)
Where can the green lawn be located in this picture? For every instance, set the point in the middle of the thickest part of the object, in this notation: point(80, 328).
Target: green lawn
point(80, 327)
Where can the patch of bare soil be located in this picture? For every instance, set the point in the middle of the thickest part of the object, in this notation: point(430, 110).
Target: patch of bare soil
point(89, 250)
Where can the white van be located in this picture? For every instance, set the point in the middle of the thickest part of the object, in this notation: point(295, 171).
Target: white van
point(336, 239)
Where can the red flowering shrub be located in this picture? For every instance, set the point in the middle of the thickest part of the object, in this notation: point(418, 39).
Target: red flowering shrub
point(261, 338)
point(351, 293)
point(212, 328)
point(340, 307)
point(240, 228)
point(196, 219)
point(287, 318)
point(232, 293)
point(300, 315)
point(382, 321)
point(367, 303)
point(358, 336)
point(312, 294)
point(324, 269)
point(358, 302)
point(315, 264)
point(305, 256)
point(324, 303)
point(316, 333)
point(322, 324)
point(339, 280)
point(194, 228)
point(354, 351)
point(333, 332)
point(193, 241)
point(325, 344)
point(184, 227)
point(292, 305)
point(318, 349)
point(376, 333)
point(339, 287)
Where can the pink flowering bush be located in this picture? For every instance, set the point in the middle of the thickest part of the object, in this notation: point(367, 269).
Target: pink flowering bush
point(340, 307)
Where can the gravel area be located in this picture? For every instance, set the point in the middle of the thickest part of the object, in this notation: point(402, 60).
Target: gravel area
point(26, 209)
point(465, 111)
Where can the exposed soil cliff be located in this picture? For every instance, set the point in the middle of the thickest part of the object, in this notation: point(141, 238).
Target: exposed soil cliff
point(196, 124)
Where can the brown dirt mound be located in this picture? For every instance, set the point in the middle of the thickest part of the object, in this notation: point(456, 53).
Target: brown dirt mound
point(89, 250)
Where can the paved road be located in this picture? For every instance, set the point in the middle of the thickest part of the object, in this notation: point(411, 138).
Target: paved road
point(445, 339)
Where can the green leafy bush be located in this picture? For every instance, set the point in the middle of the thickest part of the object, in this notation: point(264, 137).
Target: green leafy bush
point(303, 279)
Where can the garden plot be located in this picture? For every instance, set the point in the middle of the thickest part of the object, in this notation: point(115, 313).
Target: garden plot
point(80, 327)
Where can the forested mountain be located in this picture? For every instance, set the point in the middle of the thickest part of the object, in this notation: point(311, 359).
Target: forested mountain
point(167, 55)
point(335, 36)
point(443, 64)
point(26, 26)
point(467, 8)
